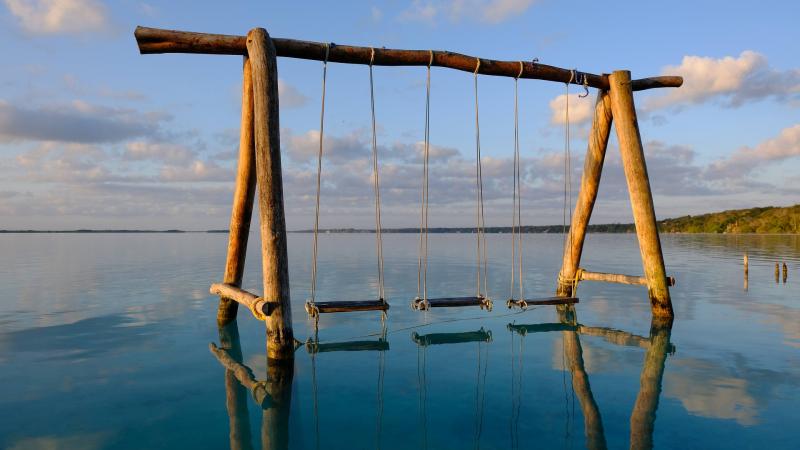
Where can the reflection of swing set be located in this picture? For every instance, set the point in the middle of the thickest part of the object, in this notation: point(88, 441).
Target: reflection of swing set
point(274, 394)
point(259, 166)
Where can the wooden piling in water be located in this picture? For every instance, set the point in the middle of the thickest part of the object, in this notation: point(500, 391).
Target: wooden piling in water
point(777, 273)
point(243, 196)
point(590, 181)
point(264, 65)
point(785, 272)
point(644, 216)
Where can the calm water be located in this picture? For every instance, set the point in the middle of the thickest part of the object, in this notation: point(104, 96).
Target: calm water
point(104, 343)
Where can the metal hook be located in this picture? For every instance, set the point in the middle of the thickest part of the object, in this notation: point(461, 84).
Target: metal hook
point(585, 87)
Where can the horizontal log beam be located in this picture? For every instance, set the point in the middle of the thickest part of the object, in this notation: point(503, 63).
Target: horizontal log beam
point(618, 278)
point(257, 305)
point(156, 40)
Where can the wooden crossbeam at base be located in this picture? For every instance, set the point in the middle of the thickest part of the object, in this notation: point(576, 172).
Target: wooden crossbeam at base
point(585, 275)
point(451, 302)
point(524, 303)
point(257, 305)
point(345, 306)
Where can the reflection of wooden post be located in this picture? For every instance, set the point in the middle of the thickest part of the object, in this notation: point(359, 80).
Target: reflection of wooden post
point(235, 393)
point(644, 216)
point(275, 418)
point(592, 169)
point(280, 339)
point(746, 271)
point(643, 416)
point(592, 422)
point(243, 196)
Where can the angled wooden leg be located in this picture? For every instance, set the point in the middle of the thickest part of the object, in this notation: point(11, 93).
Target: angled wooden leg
point(243, 196)
point(644, 216)
point(263, 61)
point(590, 181)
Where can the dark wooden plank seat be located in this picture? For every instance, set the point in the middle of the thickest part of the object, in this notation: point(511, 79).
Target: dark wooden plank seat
point(451, 302)
point(524, 303)
point(346, 306)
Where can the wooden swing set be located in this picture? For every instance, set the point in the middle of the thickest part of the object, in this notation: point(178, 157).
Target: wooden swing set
point(259, 167)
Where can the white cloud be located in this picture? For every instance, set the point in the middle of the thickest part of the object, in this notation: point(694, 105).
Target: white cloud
point(289, 96)
point(489, 11)
point(746, 159)
point(59, 16)
point(732, 81)
point(580, 109)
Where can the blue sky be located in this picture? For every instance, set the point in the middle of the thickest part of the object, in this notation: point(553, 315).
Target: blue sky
point(94, 135)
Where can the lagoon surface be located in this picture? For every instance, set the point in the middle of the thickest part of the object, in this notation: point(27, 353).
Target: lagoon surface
point(104, 344)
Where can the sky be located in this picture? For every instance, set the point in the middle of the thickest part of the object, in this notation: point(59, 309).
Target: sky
point(95, 135)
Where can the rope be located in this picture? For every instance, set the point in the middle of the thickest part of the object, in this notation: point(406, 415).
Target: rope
point(315, 244)
point(422, 261)
point(381, 372)
point(481, 237)
point(376, 186)
point(423, 393)
point(516, 216)
point(567, 170)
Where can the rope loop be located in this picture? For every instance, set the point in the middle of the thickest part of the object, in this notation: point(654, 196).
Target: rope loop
point(521, 67)
point(477, 66)
point(430, 63)
point(372, 56)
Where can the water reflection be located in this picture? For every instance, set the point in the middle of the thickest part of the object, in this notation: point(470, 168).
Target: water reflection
point(274, 394)
point(643, 417)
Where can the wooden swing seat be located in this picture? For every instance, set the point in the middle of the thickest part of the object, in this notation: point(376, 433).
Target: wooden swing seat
point(523, 303)
point(451, 302)
point(346, 306)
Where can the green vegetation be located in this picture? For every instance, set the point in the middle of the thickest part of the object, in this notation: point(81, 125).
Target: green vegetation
point(766, 220)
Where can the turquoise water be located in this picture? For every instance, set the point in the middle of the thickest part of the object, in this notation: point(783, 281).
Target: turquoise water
point(104, 343)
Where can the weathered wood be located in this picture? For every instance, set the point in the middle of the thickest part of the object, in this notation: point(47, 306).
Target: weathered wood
point(154, 40)
point(451, 338)
point(451, 302)
point(643, 416)
point(618, 278)
point(280, 339)
point(352, 346)
point(347, 306)
point(590, 182)
point(243, 196)
point(785, 272)
point(644, 216)
point(257, 305)
point(524, 303)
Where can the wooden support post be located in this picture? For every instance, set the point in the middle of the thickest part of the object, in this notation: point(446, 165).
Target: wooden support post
point(643, 416)
point(592, 169)
point(644, 216)
point(243, 195)
point(280, 339)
